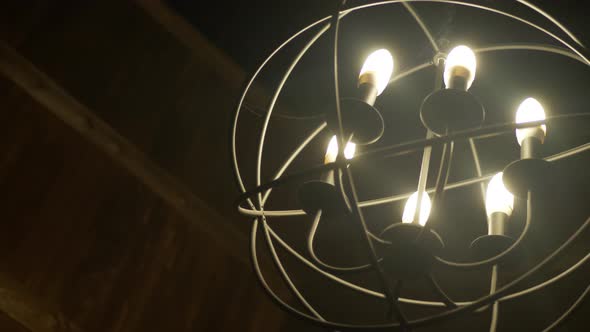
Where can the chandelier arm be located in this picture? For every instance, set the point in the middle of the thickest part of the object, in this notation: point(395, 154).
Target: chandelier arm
point(328, 267)
point(276, 96)
point(276, 259)
point(246, 89)
point(498, 258)
point(569, 311)
point(546, 283)
point(532, 47)
point(477, 168)
point(403, 149)
point(496, 304)
point(553, 20)
point(418, 322)
point(279, 265)
point(441, 293)
point(426, 155)
point(395, 198)
point(444, 168)
point(375, 294)
point(410, 72)
point(253, 77)
point(422, 25)
point(490, 9)
point(395, 311)
point(569, 153)
point(353, 199)
point(294, 155)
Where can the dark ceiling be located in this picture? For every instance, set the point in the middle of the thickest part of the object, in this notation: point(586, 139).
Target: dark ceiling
point(248, 32)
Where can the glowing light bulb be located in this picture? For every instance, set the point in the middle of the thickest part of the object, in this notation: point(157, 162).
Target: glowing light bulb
point(332, 151)
point(410, 209)
point(377, 70)
point(460, 66)
point(530, 110)
point(498, 198)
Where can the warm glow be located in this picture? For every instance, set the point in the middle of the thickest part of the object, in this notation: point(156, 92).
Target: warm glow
point(410, 209)
point(530, 110)
point(378, 69)
point(332, 151)
point(498, 198)
point(460, 62)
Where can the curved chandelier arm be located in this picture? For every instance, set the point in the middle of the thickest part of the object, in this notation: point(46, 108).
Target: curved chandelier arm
point(375, 294)
point(532, 47)
point(553, 20)
point(284, 274)
point(548, 282)
point(489, 9)
point(494, 260)
point(357, 214)
point(256, 73)
point(418, 322)
point(275, 98)
point(422, 25)
point(569, 311)
point(404, 149)
point(395, 198)
point(247, 89)
point(293, 156)
point(441, 293)
point(311, 250)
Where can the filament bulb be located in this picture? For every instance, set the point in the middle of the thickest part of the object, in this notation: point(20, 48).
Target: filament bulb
point(332, 150)
point(498, 198)
point(410, 209)
point(377, 70)
point(460, 68)
point(530, 110)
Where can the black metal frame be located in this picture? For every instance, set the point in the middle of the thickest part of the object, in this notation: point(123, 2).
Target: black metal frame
point(391, 291)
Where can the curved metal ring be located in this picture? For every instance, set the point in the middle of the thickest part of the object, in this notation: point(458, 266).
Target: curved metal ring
point(233, 143)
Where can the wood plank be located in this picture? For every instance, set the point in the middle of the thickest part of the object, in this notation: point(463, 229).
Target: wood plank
point(48, 93)
point(30, 311)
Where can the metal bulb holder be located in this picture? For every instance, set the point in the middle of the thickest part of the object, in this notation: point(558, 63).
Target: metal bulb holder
point(530, 173)
point(322, 195)
point(411, 250)
point(496, 241)
point(360, 119)
point(450, 110)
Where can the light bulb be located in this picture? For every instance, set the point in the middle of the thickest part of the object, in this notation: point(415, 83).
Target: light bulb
point(377, 70)
point(530, 110)
point(460, 68)
point(332, 151)
point(410, 209)
point(498, 198)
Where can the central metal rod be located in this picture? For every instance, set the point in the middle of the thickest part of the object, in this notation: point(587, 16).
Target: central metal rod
point(425, 167)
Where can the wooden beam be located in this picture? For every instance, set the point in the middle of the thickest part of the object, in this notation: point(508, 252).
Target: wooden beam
point(80, 118)
point(202, 48)
point(30, 311)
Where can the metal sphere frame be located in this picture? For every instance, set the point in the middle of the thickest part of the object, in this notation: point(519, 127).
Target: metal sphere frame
point(257, 197)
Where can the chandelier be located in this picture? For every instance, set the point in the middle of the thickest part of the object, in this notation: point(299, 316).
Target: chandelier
point(408, 247)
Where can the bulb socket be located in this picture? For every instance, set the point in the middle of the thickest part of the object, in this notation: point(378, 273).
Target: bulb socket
point(459, 78)
point(497, 224)
point(530, 147)
point(328, 177)
point(367, 92)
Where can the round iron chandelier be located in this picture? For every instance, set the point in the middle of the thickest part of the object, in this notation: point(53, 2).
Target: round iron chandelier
point(409, 248)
